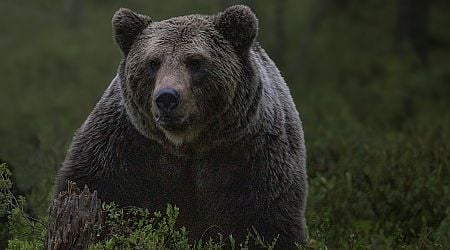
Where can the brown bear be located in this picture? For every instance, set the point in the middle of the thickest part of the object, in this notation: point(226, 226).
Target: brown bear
point(197, 116)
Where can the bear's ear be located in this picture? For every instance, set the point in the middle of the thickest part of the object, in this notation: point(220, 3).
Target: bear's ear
point(126, 27)
point(238, 24)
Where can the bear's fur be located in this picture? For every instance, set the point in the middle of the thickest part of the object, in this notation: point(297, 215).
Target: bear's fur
point(235, 160)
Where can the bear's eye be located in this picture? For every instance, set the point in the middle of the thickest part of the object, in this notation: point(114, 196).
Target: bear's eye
point(154, 65)
point(194, 63)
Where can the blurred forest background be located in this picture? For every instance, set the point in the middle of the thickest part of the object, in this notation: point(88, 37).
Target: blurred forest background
point(371, 80)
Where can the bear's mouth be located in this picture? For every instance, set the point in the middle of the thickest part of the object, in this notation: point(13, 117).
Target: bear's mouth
point(169, 122)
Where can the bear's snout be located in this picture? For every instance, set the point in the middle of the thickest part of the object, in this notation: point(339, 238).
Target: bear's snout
point(167, 100)
point(168, 113)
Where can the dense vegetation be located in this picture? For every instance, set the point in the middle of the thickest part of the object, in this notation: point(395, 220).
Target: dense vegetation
point(370, 79)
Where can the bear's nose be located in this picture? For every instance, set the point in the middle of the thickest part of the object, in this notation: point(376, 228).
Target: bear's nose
point(167, 99)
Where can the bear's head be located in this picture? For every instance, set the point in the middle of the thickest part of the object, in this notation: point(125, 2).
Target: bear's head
point(184, 79)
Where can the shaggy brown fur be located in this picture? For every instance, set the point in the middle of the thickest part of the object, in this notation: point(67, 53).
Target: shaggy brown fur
point(236, 157)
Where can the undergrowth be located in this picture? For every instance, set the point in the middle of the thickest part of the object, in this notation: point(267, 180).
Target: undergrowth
point(122, 228)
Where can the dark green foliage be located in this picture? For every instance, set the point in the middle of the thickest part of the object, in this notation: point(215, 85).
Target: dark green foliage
point(21, 230)
point(136, 228)
point(132, 228)
point(376, 122)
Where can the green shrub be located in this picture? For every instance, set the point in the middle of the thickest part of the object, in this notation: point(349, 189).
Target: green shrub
point(137, 228)
point(23, 231)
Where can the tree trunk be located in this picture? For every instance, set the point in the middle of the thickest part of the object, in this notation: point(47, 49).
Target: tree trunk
point(73, 215)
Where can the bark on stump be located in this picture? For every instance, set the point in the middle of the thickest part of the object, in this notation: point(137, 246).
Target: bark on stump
point(73, 215)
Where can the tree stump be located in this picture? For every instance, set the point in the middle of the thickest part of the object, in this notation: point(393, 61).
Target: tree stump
point(72, 217)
